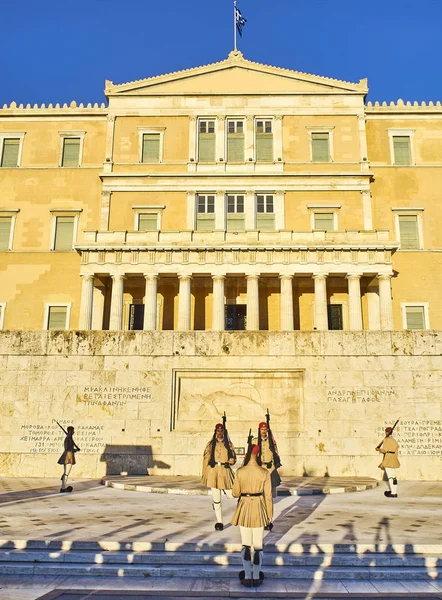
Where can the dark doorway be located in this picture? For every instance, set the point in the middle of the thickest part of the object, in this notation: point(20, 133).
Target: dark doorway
point(136, 317)
point(235, 317)
point(335, 317)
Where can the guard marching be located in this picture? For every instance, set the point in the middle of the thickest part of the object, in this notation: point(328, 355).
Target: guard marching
point(390, 462)
point(219, 456)
point(268, 455)
point(253, 489)
point(67, 459)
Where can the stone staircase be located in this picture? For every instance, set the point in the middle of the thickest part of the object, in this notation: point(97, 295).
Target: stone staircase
point(307, 562)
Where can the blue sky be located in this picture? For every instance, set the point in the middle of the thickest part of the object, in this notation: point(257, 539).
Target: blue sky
point(58, 51)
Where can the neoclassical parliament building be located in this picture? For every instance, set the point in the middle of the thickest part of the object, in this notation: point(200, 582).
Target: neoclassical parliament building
point(232, 196)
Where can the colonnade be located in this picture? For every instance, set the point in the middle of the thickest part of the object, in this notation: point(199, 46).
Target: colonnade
point(252, 280)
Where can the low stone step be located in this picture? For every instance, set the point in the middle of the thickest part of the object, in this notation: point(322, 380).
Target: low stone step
point(218, 558)
point(220, 572)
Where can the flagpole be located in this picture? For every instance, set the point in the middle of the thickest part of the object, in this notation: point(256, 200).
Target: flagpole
point(234, 24)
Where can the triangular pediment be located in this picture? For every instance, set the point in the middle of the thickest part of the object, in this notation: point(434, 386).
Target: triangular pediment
point(235, 75)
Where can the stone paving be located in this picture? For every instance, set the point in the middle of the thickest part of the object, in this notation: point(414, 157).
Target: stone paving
point(32, 509)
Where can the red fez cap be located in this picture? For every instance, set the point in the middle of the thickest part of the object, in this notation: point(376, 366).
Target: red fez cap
point(388, 429)
point(263, 424)
point(219, 426)
point(255, 449)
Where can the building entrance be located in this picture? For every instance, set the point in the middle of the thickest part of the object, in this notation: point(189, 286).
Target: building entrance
point(235, 317)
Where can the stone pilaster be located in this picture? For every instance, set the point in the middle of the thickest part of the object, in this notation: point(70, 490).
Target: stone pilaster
point(87, 293)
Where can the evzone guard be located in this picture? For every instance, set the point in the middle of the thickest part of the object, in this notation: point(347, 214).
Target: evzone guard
point(219, 456)
point(67, 459)
point(253, 513)
point(268, 456)
point(390, 462)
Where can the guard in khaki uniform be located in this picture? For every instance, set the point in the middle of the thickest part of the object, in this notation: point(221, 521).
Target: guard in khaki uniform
point(219, 455)
point(268, 456)
point(253, 489)
point(389, 448)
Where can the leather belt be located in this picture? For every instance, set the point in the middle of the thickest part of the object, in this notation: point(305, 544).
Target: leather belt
point(250, 495)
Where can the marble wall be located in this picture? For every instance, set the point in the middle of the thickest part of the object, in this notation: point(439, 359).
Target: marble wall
point(149, 400)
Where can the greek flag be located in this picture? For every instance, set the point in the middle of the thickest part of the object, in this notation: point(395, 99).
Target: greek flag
point(240, 21)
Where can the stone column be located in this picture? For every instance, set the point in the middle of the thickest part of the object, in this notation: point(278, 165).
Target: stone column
point(184, 302)
point(321, 317)
point(116, 311)
point(372, 294)
point(87, 293)
point(150, 302)
point(354, 300)
point(385, 304)
point(218, 302)
point(286, 318)
point(252, 302)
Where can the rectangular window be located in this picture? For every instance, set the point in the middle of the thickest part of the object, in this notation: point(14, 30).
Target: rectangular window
point(57, 317)
point(148, 222)
point(64, 233)
point(151, 148)
point(71, 152)
point(5, 233)
point(335, 320)
point(205, 217)
point(235, 213)
point(265, 217)
point(206, 141)
point(402, 149)
point(235, 141)
point(415, 317)
point(321, 147)
point(264, 141)
point(324, 221)
point(10, 152)
point(409, 232)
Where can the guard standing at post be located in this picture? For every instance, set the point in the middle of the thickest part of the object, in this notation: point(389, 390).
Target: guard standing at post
point(67, 459)
point(268, 455)
point(253, 489)
point(390, 462)
point(219, 456)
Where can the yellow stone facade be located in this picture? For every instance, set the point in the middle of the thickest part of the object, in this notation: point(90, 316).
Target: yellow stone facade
point(326, 218)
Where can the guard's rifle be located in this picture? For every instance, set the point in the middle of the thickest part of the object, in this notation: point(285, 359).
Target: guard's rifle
point(378, 447)
point(77, 449)
point(249, 448)
point(227, 442)
point(272, 445)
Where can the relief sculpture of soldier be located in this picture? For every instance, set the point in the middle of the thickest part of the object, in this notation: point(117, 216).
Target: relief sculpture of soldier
point(390, 462)
point(268, 456)
point(219, 456)
point(254, 512)
point(67, 459)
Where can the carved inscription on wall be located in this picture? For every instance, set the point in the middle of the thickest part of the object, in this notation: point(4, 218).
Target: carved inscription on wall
point(416, 437)
point(48, 437)
point(114, 395)
point(368, 395)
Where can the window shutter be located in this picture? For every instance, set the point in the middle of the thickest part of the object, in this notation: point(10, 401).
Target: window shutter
point(64, 233)
point(10, 153)
point(235, 147)
point(206, 147)
point(415, 317)
point(264, 147)
point(402, 150)
point(235, 222)
point(320, 147)
point(5, 231)
point(71, 152)
point(57, 317)
point(265, 221)
point(205, 222)
point(324, 221)
point(408, 232)
point(148, 222)
point(151, 148)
